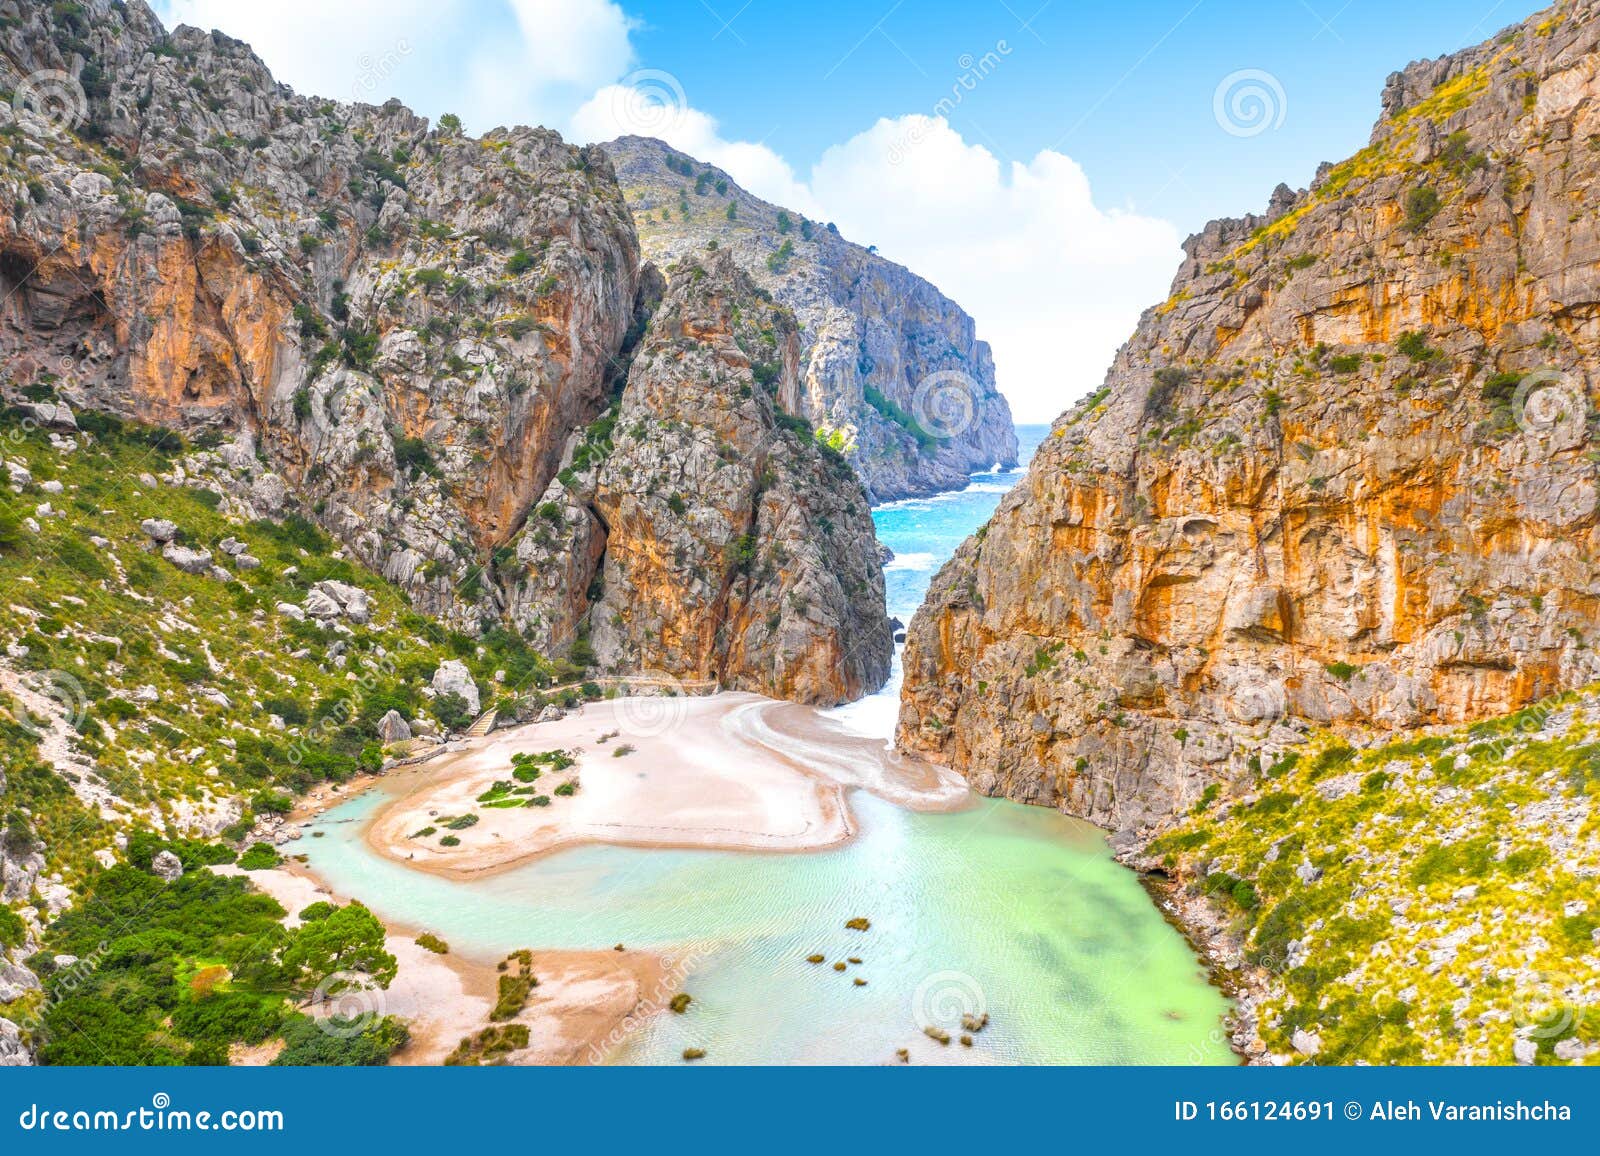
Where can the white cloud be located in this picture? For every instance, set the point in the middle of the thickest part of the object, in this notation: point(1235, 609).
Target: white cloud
point(653, 103)
point(1055, 282)
point(565, 50)
point(349, 50)
point(499, 63)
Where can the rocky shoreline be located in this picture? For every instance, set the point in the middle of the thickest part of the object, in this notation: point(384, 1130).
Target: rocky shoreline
point(1208, 930)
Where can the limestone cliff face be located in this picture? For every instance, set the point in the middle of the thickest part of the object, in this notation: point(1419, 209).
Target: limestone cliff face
point(889, 366)
point(401, 324)
point(715, 539)
point(1344, 475)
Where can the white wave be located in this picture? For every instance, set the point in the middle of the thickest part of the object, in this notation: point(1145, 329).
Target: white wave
point(912, 562)
point(943, 496)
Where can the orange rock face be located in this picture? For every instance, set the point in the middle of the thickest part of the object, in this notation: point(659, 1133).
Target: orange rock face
point(1344, 476)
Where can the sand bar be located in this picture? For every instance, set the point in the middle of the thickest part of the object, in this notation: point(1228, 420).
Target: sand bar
point(726, 772)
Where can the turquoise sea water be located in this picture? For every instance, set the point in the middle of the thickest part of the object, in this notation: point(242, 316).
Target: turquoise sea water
point(1002, 909)
point(923, 532)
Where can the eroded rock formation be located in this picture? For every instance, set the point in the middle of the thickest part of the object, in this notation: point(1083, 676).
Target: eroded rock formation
point(1344, 475)
point(712, 536)
point(889, 367)
point(406, 334)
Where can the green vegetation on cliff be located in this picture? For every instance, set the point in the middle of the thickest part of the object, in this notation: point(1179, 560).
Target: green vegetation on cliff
point(1426, 901)
point(148, 972)
point(148, 690)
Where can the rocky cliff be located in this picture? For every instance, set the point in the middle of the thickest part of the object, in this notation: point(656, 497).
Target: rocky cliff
point(714, 538)
point(398, 330)
point(1344, 475)
point(401, 324)
point(890, 369)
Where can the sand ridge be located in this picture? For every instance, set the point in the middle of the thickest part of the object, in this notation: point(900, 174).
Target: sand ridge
point(731, 771)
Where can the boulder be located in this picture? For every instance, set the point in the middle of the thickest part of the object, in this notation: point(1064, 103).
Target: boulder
point(187, 560)
point(350, 601)
point(393, 728)
point(269, 493)
point(12, 1052)
point(320, 605)
point(167, 866)
point(159, 529)
point(453, 677)
point(290, 610)
point(49, 413)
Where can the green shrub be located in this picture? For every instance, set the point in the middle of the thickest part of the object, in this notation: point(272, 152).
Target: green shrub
point(12, 929)
point(451, 711)
point(260, 857)
point(350, 1043)
point(1421, 206)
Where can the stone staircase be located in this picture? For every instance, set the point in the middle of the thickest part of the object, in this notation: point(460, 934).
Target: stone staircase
point(481, 725)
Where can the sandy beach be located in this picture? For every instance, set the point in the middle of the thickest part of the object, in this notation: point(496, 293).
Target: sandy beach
point(728, 772)
point(584, 1000)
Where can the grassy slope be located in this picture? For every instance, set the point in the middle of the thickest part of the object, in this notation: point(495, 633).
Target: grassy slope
point(101, 622)
point(93, 625)
point(1456, 907)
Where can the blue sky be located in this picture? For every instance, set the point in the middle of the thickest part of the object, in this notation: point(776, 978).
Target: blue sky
point(1124, 89)
point(1038, 160)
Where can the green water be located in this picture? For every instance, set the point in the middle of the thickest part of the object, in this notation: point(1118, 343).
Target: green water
point(1013, 910)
